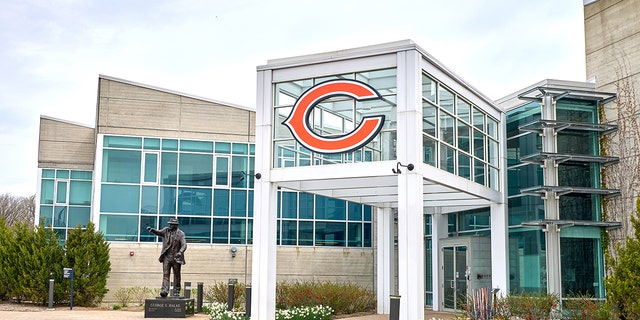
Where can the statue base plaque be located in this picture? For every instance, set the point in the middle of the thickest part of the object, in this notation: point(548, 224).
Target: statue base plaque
point(168, 307)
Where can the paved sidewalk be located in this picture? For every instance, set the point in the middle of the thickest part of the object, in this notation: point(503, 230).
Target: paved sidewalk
point(92, 314)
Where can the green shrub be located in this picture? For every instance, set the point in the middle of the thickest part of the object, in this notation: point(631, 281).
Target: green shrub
point(342, 298)
point(88, 255)
point(219, 292)
point(584, 307)
point(124, 296)
point(533, 306)
point(623, 282)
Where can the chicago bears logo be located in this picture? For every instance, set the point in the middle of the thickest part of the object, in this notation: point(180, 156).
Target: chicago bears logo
point(301, 128)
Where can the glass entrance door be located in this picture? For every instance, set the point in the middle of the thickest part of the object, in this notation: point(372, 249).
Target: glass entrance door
point(455, 280)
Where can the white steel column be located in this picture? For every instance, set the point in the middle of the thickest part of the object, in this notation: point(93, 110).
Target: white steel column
point(411, 264)
point(551, 199)
point(500, 222)
point(385, 259)
point(439, 225)
point(499, 248)
point(263, 269)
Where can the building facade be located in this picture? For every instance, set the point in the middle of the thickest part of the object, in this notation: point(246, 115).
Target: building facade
point(374, 165)
point(612, 49)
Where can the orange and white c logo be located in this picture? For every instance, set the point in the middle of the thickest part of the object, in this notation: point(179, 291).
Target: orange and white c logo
point(298, 120)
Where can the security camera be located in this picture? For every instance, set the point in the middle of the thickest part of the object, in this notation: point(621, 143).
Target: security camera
point(233, 252)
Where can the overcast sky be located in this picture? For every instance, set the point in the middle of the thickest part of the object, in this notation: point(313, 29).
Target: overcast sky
point(51, 52)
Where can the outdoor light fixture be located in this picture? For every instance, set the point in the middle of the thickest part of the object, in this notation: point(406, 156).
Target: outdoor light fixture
point(233, 251)
point(398, 165)
point(244, 174)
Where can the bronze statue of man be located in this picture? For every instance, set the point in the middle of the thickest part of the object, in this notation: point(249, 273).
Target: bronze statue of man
point(172, 255)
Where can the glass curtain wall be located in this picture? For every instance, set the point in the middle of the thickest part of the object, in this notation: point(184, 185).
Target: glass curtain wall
point(336, 116)
point(208, 186)
point(581, 251)
point(65, 199)
point(457, 136)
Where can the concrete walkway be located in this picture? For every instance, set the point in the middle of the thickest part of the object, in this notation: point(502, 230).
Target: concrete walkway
point(92, 314)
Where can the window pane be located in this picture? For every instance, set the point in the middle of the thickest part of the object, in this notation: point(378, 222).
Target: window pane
point(221, 202)
point(220, 230)
point(61, 192)
point(492, 128)
point(223, 147)
point(289, 205)
point(305, 234)
point(222, 171)
point(289, 232)
point(250, 204)
point(168, 200)
point(123, 142)
point(169, 168)
point(306, 206)
point(79, 216)
point(170, 144)
point(148, 221)
point(429, 113)
point(330, 234)
point(60, 216)
point(447, 158)
point(478, 144)
point(492, 151)
point(428, 89)
point(238, 231)
point(196, 169)
point(464, 137)
point(197, 146)
point(240, 148)
point(194, 201)
point(478, 171)
point(367, 213)
point(149, 200)
point(119, 228)
point(81, 175)
point(196, 230)
point(62, 174)
point(238, 166)
point(150, 167)
point(330, 208)
point(464, 165)
point(152, 143)
point(446, 128)
point(46, 191)
point(478, 119)
point(48, 173)
point(355, 211)
point(121, 166)
point(120, 199)
point(80, 193)
point(367, 235)
point(238, 203)
point(429, 151)
point(46, 213)
point(446, 99)
point(355, 234)
point(464, 110)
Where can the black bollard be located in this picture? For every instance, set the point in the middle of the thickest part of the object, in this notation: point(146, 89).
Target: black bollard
point(395, 308)
point(230, 297)
point(199, 302)
point(247, 301)
point(51, 293)
point(187, 290)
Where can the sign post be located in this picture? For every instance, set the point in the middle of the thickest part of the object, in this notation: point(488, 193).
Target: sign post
point(68, 274)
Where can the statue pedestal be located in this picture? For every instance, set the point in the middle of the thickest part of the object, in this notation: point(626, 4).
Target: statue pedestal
point(168, 307)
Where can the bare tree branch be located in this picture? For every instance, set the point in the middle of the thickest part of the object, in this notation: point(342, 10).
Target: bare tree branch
point(16, 209)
